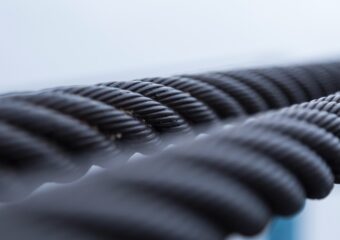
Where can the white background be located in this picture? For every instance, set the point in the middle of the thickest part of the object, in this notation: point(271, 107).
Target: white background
point(50, 42)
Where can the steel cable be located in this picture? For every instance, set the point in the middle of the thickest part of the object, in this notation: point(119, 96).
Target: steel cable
point(141, 115)
point(233, 180)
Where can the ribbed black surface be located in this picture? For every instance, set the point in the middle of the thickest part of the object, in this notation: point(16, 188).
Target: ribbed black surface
point(231, 181)
point(121, 118)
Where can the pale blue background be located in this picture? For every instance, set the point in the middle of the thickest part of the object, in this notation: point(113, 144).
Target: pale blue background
point(51, 42)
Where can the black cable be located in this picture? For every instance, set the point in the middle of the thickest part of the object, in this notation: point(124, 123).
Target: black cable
point(291, 88)
point(266, 88)
point(111, 122)
point(163, 119)
point(222, 104)
point(231, 181)
point(248, 99)
point(140, 116)
point(190, 108)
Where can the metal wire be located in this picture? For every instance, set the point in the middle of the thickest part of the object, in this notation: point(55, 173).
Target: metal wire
point(231, 181)
point(140, 115)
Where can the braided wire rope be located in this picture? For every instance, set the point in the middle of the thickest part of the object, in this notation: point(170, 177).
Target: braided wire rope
point(233, 180)
point(121, 118)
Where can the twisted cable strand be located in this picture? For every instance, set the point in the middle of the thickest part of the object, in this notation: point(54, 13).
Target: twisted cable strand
point(294, 92)
point(222, 104)
point(322, 76)
point(324, 143)
point(117, 126)
point(193, 110)
point(231, 181)
point(270, 92)
point(139, 116)
point(160, 117)
point(73, 135)
point(308, 84)
point(248, 98)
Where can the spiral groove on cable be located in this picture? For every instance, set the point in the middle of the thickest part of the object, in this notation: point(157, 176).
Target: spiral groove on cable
point(140, 115)
point(231, 181)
